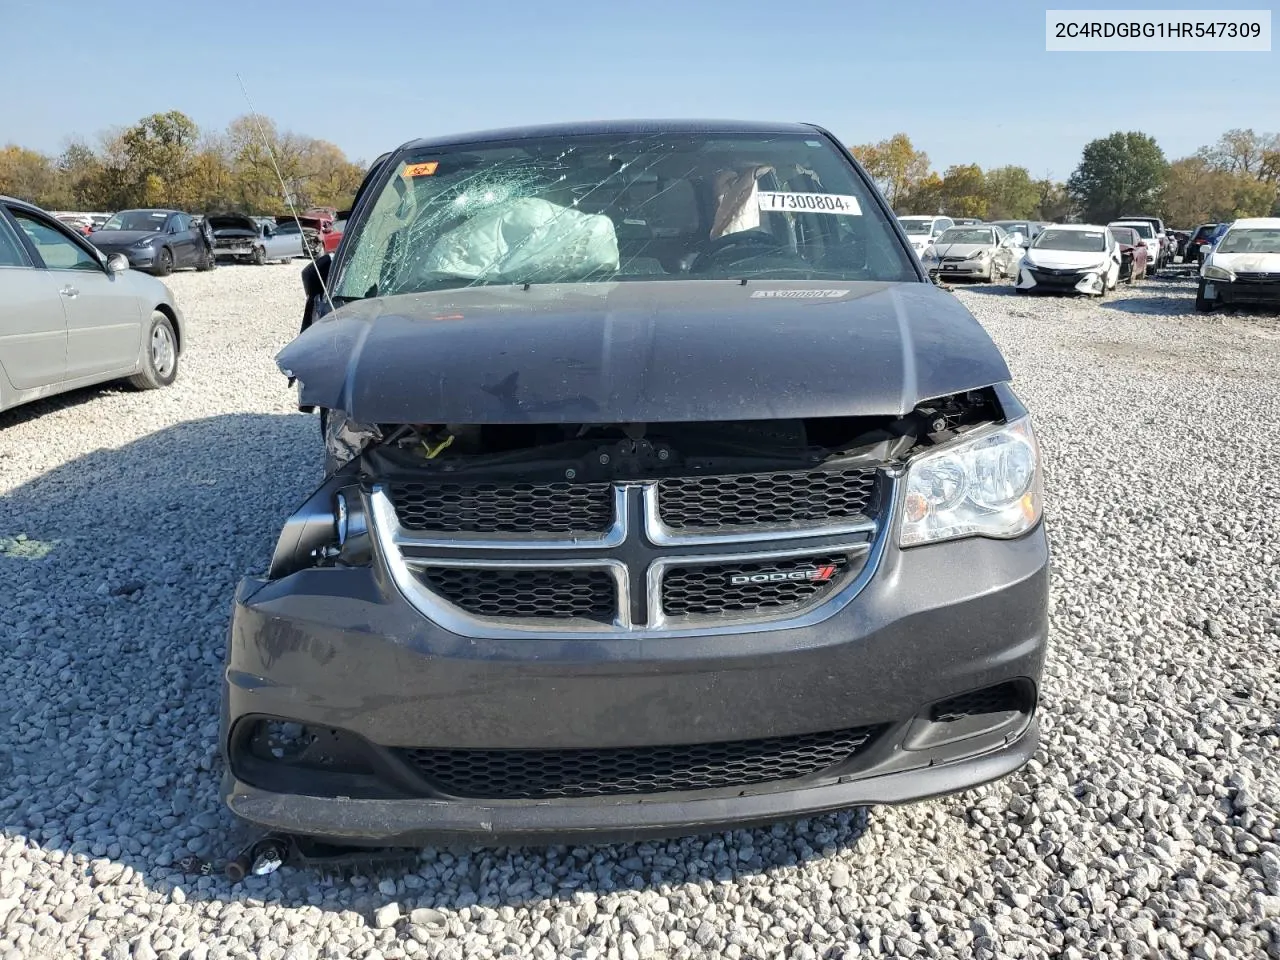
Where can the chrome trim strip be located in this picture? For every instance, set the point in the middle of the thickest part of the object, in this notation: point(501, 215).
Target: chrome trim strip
point(612, 537)
point(658, 569)
point(664, 536)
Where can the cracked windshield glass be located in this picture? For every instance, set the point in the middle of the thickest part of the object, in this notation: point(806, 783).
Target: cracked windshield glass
point(586, 209)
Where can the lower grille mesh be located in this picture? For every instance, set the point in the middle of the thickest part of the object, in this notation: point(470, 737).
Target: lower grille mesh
point(556, 774)
point(727, 588)
point(497, 592)
point(997, 699)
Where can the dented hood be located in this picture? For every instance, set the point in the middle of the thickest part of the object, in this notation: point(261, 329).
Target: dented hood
point(642, 352)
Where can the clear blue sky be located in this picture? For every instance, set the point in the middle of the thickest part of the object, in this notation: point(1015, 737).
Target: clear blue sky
point(968, 81)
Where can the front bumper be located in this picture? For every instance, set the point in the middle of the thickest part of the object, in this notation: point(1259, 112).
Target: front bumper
point(340, 649)
point(1260, 293)
point(983, 269)
point(1058, 281)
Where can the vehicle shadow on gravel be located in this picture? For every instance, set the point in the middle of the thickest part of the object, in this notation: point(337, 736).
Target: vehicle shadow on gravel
point(119, 568)
point(62, 401)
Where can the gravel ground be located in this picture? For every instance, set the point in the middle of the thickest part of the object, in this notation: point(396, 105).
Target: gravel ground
point(1147, 826)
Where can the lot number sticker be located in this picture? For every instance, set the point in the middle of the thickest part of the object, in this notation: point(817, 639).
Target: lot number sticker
point(837, 203)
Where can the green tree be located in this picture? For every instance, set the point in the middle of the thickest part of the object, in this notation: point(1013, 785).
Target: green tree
point(158, 151)
point(1122, 173)
point(1011, 193)
point(896, 165)
point(81, 171)
point(964, 191)
point(1053, 203)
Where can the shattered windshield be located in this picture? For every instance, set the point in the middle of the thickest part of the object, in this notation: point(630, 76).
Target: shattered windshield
point(620, 208)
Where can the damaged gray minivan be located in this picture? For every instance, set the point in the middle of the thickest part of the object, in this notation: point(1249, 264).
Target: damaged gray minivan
point(664, 493)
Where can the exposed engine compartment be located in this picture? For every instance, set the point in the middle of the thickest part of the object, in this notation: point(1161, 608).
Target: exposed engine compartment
point(601, 452)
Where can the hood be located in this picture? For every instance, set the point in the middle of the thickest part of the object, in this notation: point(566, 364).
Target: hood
point(234, 223)
point(119, 238)
point(1246, 262)
point(689, 350)
point(1063, 259)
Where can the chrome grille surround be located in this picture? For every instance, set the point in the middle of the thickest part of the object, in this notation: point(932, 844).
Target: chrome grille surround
point(637, 551)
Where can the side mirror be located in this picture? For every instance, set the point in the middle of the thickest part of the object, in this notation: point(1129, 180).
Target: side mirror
point(117, 263)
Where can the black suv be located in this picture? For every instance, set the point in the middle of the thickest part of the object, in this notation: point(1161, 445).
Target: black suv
point(664, 492)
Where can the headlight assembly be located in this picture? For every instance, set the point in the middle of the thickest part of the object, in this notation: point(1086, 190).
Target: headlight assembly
point(1214, 272)
point(985, 485)
point(145, 242)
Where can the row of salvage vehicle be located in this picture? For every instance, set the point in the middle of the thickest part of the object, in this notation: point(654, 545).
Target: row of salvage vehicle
point(1238, 262)
point(159, 241)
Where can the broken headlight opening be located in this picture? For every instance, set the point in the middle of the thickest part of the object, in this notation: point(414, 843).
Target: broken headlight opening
point(985, 484)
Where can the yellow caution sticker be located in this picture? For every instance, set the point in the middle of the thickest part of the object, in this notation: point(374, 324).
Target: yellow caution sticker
point(421, 169)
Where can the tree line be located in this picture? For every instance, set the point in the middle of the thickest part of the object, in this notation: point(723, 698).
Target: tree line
point(165, 160)
point(1126, 172)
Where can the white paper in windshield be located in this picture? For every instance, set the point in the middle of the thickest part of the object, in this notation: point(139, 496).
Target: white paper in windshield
point(837, 203)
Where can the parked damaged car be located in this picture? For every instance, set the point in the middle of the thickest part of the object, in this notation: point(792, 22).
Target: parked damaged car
point(981, 252)
point(251, 240)
point(1071, 258)
point(1133, 253)
point(1244, 266)
point(157, 241)
point(664, 492)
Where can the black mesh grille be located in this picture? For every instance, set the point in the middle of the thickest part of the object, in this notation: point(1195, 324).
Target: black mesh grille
point(765, 498)
point(556, 594)
point(1247, 277)
point(759, 586)
point(552, 774)
point(998, 699)
point(563, 508)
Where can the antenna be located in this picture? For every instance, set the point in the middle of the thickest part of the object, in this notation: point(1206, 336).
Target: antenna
point(284, 189)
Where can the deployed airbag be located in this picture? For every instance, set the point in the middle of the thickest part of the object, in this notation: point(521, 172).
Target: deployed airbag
point(526, 240)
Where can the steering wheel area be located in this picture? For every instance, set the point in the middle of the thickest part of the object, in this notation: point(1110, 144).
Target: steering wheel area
point(745, 245)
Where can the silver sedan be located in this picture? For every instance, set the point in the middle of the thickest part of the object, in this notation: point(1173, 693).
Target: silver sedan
point(981, 252)
point(71, 316)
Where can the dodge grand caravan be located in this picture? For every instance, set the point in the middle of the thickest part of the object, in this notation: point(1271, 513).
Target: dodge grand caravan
point(663, 492)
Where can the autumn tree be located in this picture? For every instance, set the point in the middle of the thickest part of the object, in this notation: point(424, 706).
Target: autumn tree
point(895, 165)
point(31, 176)
point(1118, 174)
point(964, 191)
point(1011, 193)
point(1200, 191)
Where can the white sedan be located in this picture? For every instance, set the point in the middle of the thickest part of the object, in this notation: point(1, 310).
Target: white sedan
point(1071, 258)
point(1243, 267)
point(73, 316)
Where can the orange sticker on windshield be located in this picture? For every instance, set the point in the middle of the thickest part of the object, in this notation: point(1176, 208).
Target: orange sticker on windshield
point(421, 169)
